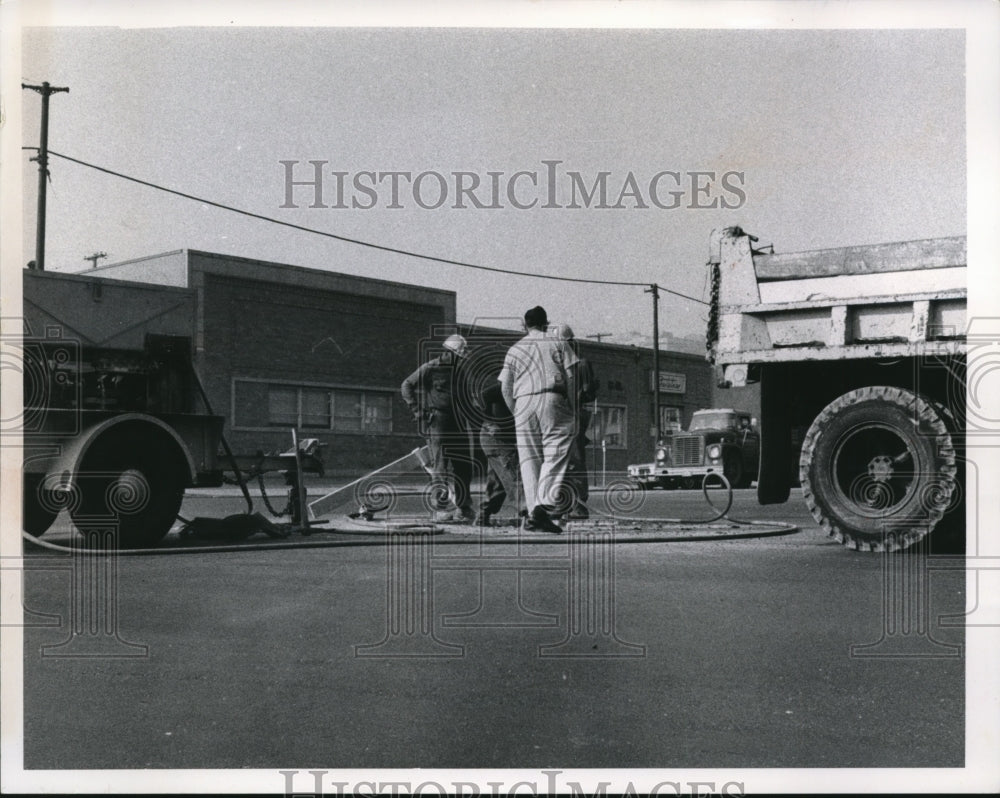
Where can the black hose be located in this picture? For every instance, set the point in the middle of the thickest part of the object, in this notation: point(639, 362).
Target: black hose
point(225, 443)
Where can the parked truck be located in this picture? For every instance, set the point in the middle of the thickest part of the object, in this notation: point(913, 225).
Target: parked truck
point(114, 424)
point(718, 440)
point(860, 356)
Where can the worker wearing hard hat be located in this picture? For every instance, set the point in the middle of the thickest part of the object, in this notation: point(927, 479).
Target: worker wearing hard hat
point(577, 490)
point(537, 381)
point(432, 393)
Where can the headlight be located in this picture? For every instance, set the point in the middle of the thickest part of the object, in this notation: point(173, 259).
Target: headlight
point(714, 451)
point(661, 454)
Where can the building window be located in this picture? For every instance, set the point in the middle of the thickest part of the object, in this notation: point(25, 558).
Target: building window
point(282, 406)
point(348, 411)
point(378, 413)
point(312, 407)
point(670, 419)
point(315, 408)
point(609, 426)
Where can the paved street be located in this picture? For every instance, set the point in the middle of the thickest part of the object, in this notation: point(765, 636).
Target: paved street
point(721, 654)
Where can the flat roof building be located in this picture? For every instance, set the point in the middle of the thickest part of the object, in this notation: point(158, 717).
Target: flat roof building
point(280, 346)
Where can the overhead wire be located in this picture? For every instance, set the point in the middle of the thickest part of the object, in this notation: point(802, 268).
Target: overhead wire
point(360, 242)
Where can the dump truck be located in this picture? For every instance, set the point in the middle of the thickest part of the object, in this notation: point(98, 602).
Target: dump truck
point(115, 425)
point(860, 355)
point(718, 440)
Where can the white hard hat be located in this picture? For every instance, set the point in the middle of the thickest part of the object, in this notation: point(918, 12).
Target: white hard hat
point(563, 332)
point(456, 344)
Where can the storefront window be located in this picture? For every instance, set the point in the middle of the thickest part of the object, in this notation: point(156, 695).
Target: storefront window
point(609, 426)
point(670, 420)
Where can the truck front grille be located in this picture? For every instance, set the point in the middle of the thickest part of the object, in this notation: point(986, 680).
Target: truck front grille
point(689, 450)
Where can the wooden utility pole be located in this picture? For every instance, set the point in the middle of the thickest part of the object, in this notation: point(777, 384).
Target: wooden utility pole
point(654, 289)
point(94, 258)
point(43, 168)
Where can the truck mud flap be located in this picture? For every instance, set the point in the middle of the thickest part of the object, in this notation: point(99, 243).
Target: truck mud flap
point(773, 480)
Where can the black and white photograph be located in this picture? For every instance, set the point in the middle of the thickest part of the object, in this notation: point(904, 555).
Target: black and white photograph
point(513, 398)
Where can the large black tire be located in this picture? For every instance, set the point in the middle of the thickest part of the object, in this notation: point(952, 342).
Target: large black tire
point(37, 511)
point(732, 468)
point(139, 484)
point(878, 468)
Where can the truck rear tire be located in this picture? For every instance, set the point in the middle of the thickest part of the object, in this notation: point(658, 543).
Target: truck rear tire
point(878, 468)
point(37, 514)
point(138, 484)
point(732, 469)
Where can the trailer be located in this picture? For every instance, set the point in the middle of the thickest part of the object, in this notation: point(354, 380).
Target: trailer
point(860, 353)
point(113, 426)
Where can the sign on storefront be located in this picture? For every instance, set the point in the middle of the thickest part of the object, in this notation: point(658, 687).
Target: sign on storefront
point(670, 382)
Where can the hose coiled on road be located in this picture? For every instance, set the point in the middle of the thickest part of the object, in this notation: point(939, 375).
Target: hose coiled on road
point(425, 529)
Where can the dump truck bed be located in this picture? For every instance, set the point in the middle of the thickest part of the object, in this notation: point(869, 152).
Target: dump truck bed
point(877, 301)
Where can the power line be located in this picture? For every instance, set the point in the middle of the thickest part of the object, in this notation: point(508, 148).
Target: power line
point(358, 242)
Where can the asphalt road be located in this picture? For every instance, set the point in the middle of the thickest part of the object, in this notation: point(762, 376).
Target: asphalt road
point(753, 653)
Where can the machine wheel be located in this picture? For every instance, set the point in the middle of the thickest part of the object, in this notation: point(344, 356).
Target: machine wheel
point(141, 486)
point(878, 468)
point(732, 468)
point(37, 514)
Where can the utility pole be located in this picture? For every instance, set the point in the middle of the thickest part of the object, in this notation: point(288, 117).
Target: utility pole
point(654, 289)
point(94, 258)
point(43, 168)
point(599, 336)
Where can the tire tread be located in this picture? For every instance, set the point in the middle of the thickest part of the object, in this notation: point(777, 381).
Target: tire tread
point(928, 418)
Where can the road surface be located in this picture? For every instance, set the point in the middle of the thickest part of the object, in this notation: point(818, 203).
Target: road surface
point(772, 652)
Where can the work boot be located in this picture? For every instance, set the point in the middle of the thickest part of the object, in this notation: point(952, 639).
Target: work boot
point(483, 519)
point(540, 519)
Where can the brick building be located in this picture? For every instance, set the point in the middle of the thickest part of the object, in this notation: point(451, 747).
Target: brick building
point(281, 346)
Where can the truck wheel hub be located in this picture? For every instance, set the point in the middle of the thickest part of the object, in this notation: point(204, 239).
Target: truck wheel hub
point(880, 468)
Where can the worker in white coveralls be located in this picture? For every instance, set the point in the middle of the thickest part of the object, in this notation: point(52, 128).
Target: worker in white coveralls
point(434, 395)
point(538, 386)
point(577, 490)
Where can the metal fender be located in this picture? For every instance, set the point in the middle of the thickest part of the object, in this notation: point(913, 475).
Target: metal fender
point(67, 464)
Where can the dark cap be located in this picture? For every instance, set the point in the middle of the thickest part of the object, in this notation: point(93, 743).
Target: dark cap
point(536, 317)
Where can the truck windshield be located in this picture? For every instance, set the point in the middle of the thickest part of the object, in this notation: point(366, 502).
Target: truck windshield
point(713, 421)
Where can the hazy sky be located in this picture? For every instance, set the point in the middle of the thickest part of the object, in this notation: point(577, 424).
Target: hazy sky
point(838, 137)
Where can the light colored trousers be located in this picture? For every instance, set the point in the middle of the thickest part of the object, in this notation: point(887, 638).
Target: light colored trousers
point(546, 428)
